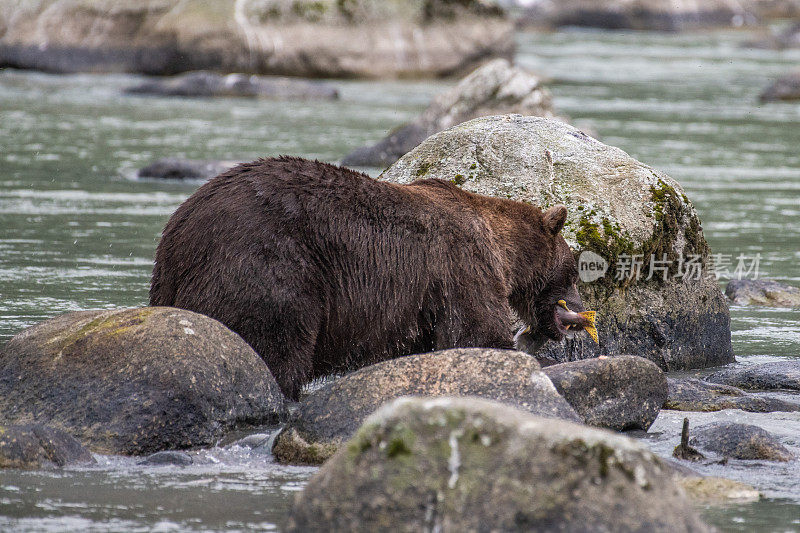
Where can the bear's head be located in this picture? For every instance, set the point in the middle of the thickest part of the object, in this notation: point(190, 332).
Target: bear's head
point(546, 295)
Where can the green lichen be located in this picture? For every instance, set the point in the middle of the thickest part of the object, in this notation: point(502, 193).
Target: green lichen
point(423, 169)
point(400, 443)
point(597, 455)
point(359, 445)
point(113, 325)
point(606, 239)
point(312, 11)
point(458, 179)
point(604, 453)
point(670, 209)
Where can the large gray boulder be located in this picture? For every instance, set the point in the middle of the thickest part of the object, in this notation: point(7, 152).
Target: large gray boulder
point(495, 88)
point(320, 38)
point(467, 464)
point(332, 414)
point(34, 446)
point(619, 393)
point(618, 208)
point(136, 381)
point(658, 15)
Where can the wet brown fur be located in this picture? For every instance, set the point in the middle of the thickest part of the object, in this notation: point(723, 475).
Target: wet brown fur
point(323, 269)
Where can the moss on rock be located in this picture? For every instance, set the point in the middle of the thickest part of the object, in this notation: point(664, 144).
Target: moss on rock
point(464, 463)
point(136, 381)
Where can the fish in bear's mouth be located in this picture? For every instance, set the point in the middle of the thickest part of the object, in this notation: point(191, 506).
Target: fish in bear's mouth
point(568, 321)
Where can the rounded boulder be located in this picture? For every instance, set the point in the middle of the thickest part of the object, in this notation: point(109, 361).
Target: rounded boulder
point(333, 413)
point(740, 441)
point(628, 215)
point(467, 464)
point(136, 381)
point(619, 393)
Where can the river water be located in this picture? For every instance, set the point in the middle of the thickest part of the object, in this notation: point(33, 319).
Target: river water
point(78, 231)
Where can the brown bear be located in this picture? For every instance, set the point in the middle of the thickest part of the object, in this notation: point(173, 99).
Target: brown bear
point(323, 269)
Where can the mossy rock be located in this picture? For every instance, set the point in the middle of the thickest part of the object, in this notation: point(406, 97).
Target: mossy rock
point(617, 207)
point(467, 464)
point(136, 381)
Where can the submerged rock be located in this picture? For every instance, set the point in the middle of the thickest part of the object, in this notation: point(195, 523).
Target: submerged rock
point(495, 88)
point(658, 15)
point(784, 88)
point(210, 84)
point(620, 210)
point(35, 445)
point(136, 381)
point(787, 38)
point(762, 291)
point(467, 464)
point(765, 376)
point(320, 38)
point(171, 168)
point(717, 490)
point(696, 395)
point(619, 393)
point(168, 458)
point(740, 441)
point(330, 415)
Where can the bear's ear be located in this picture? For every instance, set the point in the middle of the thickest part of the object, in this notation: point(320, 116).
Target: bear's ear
point(554, 218)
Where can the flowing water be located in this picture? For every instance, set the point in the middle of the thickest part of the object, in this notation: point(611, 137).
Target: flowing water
point(78, 231)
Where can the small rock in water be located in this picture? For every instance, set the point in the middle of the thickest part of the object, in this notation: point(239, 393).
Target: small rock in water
point(717, 491)
point(765, 376)
point(788, 38)
point(740, 441)
point(257, 440)
point(170, 168)
point(168, 458)
point(210, 84)
point(763, 291)
point(621, 393)
point(697, 395)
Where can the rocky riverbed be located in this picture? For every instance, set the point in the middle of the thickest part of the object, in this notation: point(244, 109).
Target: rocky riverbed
point(237, 485)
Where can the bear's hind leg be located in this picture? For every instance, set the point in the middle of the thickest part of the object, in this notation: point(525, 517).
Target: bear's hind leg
point(286, 344)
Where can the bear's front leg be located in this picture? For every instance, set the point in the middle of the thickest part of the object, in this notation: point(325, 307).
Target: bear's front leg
point(485, 324)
